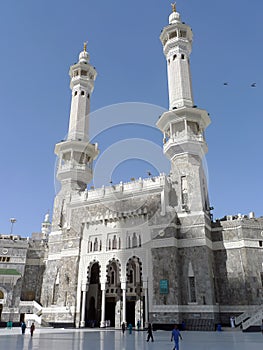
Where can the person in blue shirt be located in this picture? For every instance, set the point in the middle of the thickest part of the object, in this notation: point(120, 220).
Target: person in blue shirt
point(175, 336)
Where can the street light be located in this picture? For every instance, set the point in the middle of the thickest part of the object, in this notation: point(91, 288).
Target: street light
point(13, 221)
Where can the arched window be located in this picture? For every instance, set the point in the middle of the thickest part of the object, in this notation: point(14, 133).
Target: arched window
point(119, 243)
point(114, 242)
point(96, 245)
point(134, 240)
point(2, 294)
point(140, 242)
point(130, 276)
point(112, 278)
point(100, 245)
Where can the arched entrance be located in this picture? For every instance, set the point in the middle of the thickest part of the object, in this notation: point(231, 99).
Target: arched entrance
point(135, 292)
point(93, 300)
point(113, 294)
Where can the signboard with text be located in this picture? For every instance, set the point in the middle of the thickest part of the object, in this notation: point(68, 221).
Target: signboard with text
point(164, 287)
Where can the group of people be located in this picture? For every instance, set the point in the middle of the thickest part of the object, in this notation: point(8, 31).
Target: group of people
point(32, 328)
point(176, 335)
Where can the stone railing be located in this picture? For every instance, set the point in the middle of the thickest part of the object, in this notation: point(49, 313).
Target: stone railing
point(137, 185)
point(253, 320)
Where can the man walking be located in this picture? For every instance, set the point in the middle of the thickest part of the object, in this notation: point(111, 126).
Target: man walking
point(149, 332)
point(32, 328)
point(175, 336)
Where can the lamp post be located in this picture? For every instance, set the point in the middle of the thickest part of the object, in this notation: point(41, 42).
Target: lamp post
point(13, 221)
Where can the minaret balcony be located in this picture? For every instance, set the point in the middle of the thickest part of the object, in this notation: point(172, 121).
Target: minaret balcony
point(75, 172)
point(73, 166)
point(191, 144)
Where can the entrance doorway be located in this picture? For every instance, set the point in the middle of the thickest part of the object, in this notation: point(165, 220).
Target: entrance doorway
point(130, 312)
point(110, 311)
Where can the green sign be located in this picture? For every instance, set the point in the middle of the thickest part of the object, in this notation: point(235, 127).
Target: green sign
point(164, 287)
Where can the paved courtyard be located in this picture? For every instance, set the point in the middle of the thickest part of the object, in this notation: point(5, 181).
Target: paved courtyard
point(114, 340)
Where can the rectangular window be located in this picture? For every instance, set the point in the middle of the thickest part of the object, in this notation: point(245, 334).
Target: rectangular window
point(184, 189)
point(173, 35)
point(192, 294)
point(182, 33)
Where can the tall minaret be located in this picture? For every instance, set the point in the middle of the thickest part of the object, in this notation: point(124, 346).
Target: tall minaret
point(76, 154)
point(183, 125)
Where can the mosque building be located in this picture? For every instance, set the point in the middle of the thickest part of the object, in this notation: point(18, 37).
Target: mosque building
point(147, 250)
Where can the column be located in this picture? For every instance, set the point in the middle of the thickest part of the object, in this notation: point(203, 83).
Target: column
point(83, 308)
point(103, 304)
point(145, 287)
point(123, 287)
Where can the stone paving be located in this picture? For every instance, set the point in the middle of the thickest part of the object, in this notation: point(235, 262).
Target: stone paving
point(114, 340)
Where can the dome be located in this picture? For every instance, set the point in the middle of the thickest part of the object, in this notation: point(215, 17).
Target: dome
point(84, 57)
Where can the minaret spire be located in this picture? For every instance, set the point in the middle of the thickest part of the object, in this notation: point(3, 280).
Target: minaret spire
point(173, 6)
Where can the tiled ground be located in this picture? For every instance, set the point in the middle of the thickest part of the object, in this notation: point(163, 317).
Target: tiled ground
point(49, 339)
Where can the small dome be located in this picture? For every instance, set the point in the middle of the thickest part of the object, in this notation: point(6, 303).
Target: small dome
point(174, 17)
point(84, 57)
point(46, 220)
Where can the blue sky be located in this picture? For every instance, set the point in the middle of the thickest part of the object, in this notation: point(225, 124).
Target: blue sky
point(41, 39)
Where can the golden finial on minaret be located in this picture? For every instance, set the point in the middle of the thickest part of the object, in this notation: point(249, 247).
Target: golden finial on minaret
point(85, 46)
point(174, 7)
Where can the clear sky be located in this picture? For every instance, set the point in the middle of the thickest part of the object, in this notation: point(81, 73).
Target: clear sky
point(41, 39)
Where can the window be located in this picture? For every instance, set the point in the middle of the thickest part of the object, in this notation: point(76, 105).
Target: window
point(96, 245)
point(83, 72)
point(82, 93)
point(134, 240)
point(174, 57)
point(182, 33)
point(173, 35)
point(1, 295)
point(130, 276)
point(182, 56)
point(192, 294)
point(184, 189)
point(114, 242)
point(75, 93)
point(112, 279)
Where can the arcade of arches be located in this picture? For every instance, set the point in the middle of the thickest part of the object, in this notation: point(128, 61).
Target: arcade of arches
point(116, 300)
